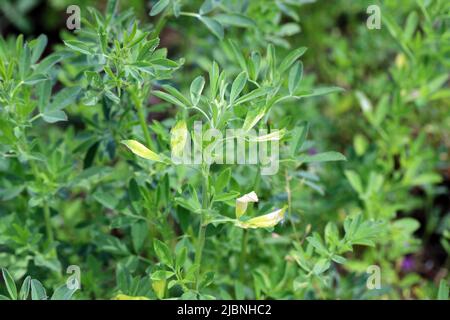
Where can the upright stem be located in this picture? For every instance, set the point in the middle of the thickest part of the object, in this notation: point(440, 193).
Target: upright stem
point(143, 121)
point(289, 198)
point(202, 228)
point(244, 240)
point(243, 254)
point(46, 208)
point(159, 25)
point(48, 226)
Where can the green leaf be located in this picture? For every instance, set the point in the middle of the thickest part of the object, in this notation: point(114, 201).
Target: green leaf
point(331, 234)
point(44, 90)
point(47, 63)
point(234, 19)
point(364, 102)
point(37, 290)
point(64, 98)
point(316, 241)
point(295, 76)
point(164, 64)
point(163, 252)
point(10, 284)
point(237, 86)
point(208, 6)
point(161, 275)
point(78, 46)
point(196, 89)
point(34, 79)
point(213, 79)
point(38, 45)
point(291, 58)
point(63, 293)
point(24, 62)
point(139, 232)
point(323, 157)
point(411, 25)
point(299, 136)
point(177, 94)
point(54, 116)
point(355, 181)
point(223, 197)
point(252, 95)
point(111, 7)
point(158, 7)
point(207, 279)
point(169, 98)
point(443, 290)
point(237, 52)
point(321, 266)
point(222, 180)
point(338, 259)
point(106, 199)
point(181, 257)
point(214, 26)
point(25, 289)
point(321, 91)
point(407, 225)
point(360, 144)
point(133, 191)
point(190, 204)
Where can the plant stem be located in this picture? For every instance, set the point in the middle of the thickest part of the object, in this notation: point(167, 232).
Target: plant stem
point(159, 25)
point(289, 197)
point(243, 254)
point(202, 228)
point(48, 225)
point(143, 122)
point(244, 239)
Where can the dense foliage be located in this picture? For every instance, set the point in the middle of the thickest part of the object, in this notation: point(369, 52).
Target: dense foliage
point(91, 119)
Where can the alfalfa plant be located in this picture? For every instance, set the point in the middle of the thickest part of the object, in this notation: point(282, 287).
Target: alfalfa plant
point(244, 103)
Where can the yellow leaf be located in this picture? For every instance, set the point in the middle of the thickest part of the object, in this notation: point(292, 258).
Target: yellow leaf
point(241, 203)
point(178, 138)
point(125, 297)
point(159, 287)
point(266, 221)
point(273, 136)
point(142, 151)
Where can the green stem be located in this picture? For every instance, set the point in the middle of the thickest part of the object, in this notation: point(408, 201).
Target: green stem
point(143, 123)
point(48, 224)
point(159, 25)
point(202, 228)
point(243, 254)
point(289, 197)
point(46, 208)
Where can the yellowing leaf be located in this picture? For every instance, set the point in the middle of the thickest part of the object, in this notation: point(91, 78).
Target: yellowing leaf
point(266, 221)
point(125, 297)
point(159, 287)
point(252, 118)
point(241, 203)
point(178, 138)
point(142, 151)
point(273, 136)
